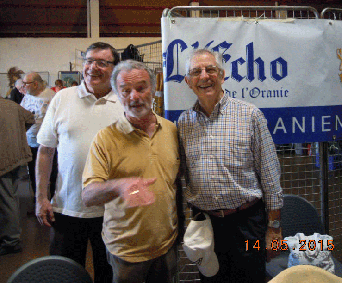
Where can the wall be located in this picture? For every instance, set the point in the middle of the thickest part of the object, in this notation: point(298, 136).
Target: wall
point(50, 54)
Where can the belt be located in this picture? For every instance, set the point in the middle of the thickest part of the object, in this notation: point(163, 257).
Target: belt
point(225, 212)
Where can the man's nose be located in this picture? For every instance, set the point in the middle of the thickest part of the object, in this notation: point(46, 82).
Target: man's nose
point(204, 74)
point(135, 95)
point(93, 65)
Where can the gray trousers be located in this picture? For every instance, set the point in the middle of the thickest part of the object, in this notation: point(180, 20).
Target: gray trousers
point(10, 229)
point(159, 270)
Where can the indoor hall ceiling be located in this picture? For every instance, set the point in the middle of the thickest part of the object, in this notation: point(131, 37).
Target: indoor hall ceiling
point(65, 18)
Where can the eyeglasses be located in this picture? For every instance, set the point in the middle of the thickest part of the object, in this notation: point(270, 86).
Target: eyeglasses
point(27, 83)
point(210, 70)
point(98, 63)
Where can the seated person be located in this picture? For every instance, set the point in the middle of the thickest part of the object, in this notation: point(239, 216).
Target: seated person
point(58, 86)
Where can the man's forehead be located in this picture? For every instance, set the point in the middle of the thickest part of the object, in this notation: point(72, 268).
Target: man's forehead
point(100, 53)
point(204, 58)
point(134, 76)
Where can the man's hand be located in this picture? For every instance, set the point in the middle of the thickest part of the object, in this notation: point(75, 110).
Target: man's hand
point(44, 212)
point(135, 191)
point(273, 250)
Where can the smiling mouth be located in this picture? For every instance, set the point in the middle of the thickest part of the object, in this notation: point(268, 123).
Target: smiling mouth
point(205, 86)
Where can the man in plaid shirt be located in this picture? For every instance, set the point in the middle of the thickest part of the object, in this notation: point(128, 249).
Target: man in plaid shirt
point(232, 173)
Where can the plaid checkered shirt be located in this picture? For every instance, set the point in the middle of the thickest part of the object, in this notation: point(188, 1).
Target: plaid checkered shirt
point(228, 158)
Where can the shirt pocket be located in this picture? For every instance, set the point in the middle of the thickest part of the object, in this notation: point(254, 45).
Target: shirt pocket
point(238, 155)
point(193, 153)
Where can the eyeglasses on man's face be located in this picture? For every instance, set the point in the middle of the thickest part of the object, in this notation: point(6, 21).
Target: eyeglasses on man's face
point(210, 70)
point(98, 63)
point(27, 83)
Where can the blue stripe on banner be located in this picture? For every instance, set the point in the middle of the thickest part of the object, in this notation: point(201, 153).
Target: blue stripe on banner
point(297, 124)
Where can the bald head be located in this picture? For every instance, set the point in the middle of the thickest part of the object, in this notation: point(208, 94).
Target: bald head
point(33, 83)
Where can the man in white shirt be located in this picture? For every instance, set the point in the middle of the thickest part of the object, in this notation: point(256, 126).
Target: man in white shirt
point(75, 115)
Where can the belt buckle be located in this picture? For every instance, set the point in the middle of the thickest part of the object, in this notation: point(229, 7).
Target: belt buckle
point(221, 213)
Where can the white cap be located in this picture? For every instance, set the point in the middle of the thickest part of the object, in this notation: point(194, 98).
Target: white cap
point(199, 246)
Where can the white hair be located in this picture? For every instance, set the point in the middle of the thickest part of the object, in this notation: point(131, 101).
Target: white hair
point(218, 57)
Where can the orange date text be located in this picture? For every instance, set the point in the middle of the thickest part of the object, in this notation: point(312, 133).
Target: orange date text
point(304, 245)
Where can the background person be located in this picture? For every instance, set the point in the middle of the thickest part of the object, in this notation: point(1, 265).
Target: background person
point(15, 153)
point(18, 92)
point(36, 100)
point(232, 172)
point(13, 74)
point(74, 116)
point(58, 85)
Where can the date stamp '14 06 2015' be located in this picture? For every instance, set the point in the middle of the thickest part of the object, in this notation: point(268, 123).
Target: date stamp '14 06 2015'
point(303, 245)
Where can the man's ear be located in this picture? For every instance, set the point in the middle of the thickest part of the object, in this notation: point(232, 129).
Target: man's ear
point(222, 73)
point(188, 82)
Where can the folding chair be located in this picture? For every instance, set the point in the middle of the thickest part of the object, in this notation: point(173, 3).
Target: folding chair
point(52, 269)
point(297, 216)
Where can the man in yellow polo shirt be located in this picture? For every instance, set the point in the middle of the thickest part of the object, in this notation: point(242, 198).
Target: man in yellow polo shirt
point(132, 168)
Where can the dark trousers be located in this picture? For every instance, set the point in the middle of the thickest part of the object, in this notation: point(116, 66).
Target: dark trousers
point(10, 229)
point(32, 171)
point(70, 239)
point(53, 176)
point(240, 246)
point(32, 168)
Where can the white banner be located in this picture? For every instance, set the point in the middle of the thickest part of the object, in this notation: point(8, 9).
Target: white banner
point(291, 70)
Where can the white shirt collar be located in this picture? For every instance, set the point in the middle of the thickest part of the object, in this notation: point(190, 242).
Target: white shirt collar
point(83, 92)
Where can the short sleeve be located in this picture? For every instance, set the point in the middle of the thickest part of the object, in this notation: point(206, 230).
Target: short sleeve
point(47, 135)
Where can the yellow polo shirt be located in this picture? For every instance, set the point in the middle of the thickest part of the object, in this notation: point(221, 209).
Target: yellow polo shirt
point(122, 151)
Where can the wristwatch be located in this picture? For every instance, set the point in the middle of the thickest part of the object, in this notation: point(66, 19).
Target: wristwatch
point(274, 224)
